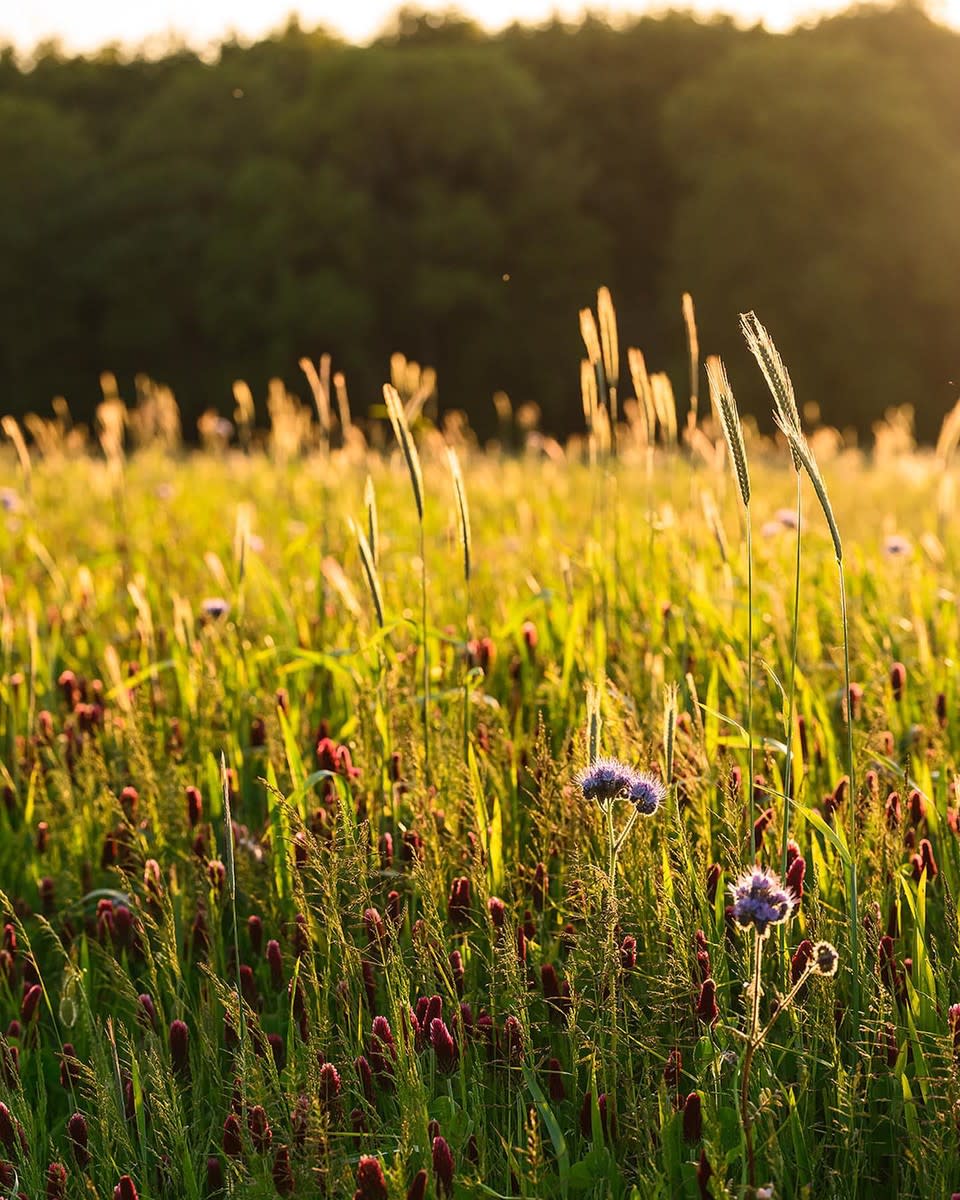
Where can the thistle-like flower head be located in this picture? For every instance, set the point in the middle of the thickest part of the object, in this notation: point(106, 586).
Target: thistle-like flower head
point(606, 779)
point(760, 900)
point(825, 958)
point(646, 793)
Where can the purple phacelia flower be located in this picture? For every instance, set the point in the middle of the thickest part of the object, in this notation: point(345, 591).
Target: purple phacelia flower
point(646, 793)
point(760, 900)
point(606, 779)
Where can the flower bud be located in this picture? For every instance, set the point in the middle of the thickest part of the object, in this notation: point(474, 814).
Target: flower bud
point(692, 1118)
point(443, 1167)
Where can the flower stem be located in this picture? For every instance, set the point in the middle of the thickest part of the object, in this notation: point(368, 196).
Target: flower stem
point(753, 1041)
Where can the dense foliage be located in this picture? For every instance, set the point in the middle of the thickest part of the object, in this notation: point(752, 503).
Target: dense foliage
point(417, 976)
point(456, 195)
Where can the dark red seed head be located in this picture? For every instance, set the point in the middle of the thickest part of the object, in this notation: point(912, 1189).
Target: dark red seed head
point(194, 806)
point(371, 1184)
point(898, 680)
point(69, 1067)
point(555, 1086)
point(418, 1188)
point(893, 812)
point(795, 875)
point(330, 1084)
point(801, 959)
point(180, 1046)
point(443, 1166)
point(126, 1189)
point(282, 1172)
point(713, 881)
point(365, 1075)
point(692, 1118)
point(941, 710)
point(275, 962)
point(928, 862)
point(628, 953)
point(443, 1045)
point(707, 1010)
point(255, 933)
point(30, 1003)
point(214, 1174)
point(497, 910)
point(261, 1135)
point(918, 807)
point(232, 1141)
point(56, 1181)
point(458, 905)
point(953, 1017)
point(77, 1133)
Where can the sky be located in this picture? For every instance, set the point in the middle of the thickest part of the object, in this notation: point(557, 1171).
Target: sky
point(86, 25)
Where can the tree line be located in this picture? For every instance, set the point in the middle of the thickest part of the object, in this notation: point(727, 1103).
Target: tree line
point(458, 196)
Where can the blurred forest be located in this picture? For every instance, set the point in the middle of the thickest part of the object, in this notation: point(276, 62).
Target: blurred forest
point(459, 196)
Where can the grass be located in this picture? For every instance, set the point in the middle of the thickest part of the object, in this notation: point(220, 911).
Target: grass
point(356, 878)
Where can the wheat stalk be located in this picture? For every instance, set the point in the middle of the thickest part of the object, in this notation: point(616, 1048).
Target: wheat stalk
point(729, 415)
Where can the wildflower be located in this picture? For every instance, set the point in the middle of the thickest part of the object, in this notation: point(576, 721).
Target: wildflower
point(214, 1174)
point(418, 1188)
point(896, 545)
point(458, 905)
point(232, 1137)
point(692, 1118)
point(261, 1135)
point(443, 1166)
point(825, 959)
point(628, 953)
point(194, 806)
point(800, 960)
point(371, 1184)
point(795, 874)
point(707, 1009)
point(898, 680)
point(606, 779)
point(77, 1133)
point(787, 517)
point(214, 607)
point(443, 1045)
point(760, 901)
point(646, 793)
point(282, 1173)
point(558, 1092)
point(953, 1017)
point(126, 1189)
point(56, 1181)
point(179, 1046)
point(31, 1002)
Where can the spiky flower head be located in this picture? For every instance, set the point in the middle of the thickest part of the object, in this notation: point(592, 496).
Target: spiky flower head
point(646, 793)
point(760, 900)
point(825, 959)
point(606, 779)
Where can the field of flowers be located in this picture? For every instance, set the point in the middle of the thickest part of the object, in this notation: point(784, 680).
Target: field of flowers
point(316, 880)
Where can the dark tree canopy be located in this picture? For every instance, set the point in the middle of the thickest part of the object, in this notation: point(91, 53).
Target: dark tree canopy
point(458, 196)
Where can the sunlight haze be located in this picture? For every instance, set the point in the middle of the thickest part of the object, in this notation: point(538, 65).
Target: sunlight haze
point(99, 22)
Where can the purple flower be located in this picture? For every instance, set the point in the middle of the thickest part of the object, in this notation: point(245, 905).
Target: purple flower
point(760, 901)
point(646, 793)
point(606, 779)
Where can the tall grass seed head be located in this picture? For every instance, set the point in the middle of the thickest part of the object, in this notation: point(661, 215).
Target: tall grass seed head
point(760, 901)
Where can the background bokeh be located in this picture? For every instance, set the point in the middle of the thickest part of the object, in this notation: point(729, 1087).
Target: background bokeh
point(458, 195)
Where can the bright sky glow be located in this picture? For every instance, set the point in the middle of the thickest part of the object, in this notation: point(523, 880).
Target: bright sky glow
point(92, 23)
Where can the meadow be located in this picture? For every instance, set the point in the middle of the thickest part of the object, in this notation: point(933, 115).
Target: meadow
point(305, 891)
